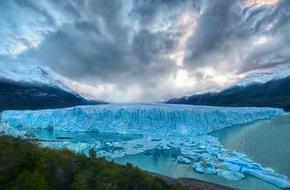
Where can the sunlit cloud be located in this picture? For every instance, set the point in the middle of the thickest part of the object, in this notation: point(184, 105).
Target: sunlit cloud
point(183, 80)
point(260, 40)
point(260, 2)
point(185, 25)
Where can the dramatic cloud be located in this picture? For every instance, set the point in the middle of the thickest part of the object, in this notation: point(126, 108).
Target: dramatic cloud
point(231, 35)
point(146, 50)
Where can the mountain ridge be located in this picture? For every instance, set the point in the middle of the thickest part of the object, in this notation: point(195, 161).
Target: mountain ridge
point(25, 95)
point(274, 93)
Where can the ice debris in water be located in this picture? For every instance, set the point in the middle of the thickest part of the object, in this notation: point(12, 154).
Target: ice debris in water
point(230, 175)
point(161, 128)
point(183, 160)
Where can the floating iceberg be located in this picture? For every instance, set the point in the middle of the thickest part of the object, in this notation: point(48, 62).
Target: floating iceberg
point(172, 119)
point(230, 175)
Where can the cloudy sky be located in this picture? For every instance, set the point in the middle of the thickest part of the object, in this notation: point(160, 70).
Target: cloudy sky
point(145, 50)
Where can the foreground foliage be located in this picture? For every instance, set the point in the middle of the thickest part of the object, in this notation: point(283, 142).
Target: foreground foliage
point(26, 166)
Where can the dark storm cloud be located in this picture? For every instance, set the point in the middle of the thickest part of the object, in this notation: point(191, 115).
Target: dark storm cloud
point(100, 48)
point(277, 50)
point(225, 27)
point(82, 53)
point(147, 46)
point(148, 10)
point(215, 25)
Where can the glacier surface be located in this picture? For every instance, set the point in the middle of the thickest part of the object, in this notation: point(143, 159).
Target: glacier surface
point(178, 119)
point(159, 128)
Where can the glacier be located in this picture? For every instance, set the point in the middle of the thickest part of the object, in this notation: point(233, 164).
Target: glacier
point(158, 128)
point(178, 119)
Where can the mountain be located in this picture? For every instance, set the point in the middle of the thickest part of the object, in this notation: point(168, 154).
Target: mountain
point(35, 87)
point(29, 73)
point(274, 93)
point(23, 95)
point(265, 75)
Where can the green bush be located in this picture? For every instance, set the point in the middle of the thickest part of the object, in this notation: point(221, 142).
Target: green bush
point(26, 166)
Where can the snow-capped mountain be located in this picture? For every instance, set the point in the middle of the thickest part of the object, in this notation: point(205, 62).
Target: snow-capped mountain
point(35, 87)
point(265, 76)
point(267, 89)
point(33, 74)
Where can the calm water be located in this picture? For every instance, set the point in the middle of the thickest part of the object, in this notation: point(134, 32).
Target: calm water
point(267, 142)
point(82, 136)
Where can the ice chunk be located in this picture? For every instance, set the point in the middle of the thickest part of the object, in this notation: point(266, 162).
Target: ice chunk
point(198, 167)
point(183, 160)
point(278, 180)
point(230, 175)
point(207, 168)
point(232, 167)
point(240, 163)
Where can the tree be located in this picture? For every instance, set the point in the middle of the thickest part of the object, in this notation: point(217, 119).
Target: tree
point(30, 181)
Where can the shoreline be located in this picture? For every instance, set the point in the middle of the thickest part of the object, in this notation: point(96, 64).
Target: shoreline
point(192, 183)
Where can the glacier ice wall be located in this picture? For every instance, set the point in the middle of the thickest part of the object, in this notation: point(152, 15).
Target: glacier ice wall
point(174, 119)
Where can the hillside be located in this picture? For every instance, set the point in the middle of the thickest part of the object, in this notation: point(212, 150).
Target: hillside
point(21, 95)
point(275, 93)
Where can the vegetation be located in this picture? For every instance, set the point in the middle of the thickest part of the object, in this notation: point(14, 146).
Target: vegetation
point(26, 166)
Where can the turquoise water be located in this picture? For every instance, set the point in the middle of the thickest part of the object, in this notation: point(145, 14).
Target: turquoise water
point(266, 141)
point(165, 165)
point(86, 137)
